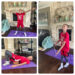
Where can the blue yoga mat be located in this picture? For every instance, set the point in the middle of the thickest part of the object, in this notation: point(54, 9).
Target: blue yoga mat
point(52, 53)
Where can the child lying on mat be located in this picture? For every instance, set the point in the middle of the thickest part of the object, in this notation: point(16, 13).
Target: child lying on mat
point(20, 14)
point(64, 49)
point(16, 59)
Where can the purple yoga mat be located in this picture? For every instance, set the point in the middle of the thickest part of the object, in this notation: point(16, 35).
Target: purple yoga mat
point(32, 64)
point(21, 34)
point(52, 53)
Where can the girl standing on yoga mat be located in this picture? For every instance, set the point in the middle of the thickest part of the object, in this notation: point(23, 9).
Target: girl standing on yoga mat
point(16, 59)
point(20, 14)
point(64, 49)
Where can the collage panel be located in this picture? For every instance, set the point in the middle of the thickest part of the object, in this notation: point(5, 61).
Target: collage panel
point(19, 55)
point(19, 19)
point(56, 37)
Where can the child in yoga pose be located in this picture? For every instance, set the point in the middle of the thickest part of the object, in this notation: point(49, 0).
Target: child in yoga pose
point(64, 49)
point(16, 59)
point(20, 15)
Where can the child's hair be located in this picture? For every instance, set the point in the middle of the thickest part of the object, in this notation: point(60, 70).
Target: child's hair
point(20, 9)
point(66, 25)
point(30, 57)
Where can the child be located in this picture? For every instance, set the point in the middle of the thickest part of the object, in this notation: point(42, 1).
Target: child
point(64, 49)
point(20, 15)
point(11, 57)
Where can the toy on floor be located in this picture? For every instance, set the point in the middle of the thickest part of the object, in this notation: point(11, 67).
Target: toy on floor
point(16, 59)
point(20, 15)
point(5, 26)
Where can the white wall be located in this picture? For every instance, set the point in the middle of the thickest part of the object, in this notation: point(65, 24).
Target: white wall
point(53, 26)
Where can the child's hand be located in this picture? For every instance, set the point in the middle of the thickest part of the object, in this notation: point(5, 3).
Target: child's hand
point(33, 8)
point(13, 65)
point(57, 52)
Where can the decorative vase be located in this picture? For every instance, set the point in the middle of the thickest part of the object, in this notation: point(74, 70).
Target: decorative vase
point(14, 4)
point(66, 18)
point(19, 4)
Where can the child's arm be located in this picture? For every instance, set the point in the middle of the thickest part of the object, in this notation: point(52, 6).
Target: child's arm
point(61, 47)
point(57, 42)
point(9, 11)
point(29, 10)
point(6, 11)
point(19, 64)
point(13, 11)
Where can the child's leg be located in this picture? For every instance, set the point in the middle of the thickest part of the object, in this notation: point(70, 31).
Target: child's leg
point(23, 28)
point(8, 55)
point(62, 58)
point(16, 31)
point(22, 25)
point(61, 65)
point(66, 58)
point(24, 32)
point(67, 63)
point(18, 25)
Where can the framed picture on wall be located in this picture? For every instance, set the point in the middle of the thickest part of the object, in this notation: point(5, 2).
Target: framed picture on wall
point(43, 18)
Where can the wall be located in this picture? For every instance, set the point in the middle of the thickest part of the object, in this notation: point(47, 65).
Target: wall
point(53, 26)
point(3, 8)
point(9, 45)
point(9, 15)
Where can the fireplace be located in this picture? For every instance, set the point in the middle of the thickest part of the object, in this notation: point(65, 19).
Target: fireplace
point(14, 17)
point(69, 31)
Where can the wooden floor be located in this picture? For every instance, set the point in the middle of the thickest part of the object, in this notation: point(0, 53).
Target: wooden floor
point(14, 28)
point(48, 64)
point(22, 70)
